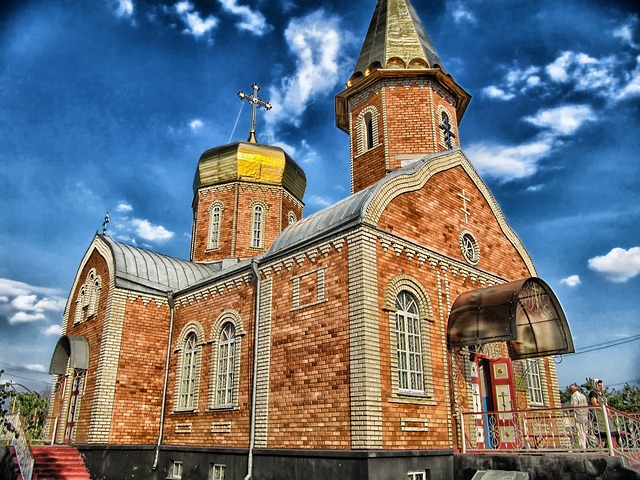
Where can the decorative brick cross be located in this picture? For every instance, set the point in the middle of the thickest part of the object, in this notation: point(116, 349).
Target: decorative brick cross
point(464, 208)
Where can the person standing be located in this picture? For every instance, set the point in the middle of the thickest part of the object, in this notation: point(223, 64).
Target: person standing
point(579, 402)
point(597, 398)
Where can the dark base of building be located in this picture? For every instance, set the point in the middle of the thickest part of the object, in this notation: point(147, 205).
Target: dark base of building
point(109, 462)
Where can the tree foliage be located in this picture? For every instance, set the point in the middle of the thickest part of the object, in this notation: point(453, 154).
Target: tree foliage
point(32, 406)
point(5, 400)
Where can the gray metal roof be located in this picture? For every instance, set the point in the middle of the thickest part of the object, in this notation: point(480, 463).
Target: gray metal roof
point(145, 271)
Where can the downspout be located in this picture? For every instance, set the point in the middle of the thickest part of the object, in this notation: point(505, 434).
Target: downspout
point(252, 437)
point(166, 379)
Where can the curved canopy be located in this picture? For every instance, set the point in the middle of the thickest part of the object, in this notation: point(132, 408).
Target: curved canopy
point(525, 313)
point(71, 350)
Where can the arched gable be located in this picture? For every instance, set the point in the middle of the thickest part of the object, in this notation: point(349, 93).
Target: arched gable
point(411, 180)
point(99, 247)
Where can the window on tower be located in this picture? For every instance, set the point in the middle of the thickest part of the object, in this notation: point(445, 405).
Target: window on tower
point(215, 219)
point(257, 232)
point(367, 130)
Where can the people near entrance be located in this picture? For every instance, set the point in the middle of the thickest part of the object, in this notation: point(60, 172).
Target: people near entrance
point(578, 400)
point(597, 398)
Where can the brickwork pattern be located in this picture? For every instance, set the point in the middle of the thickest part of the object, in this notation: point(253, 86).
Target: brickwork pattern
point(236, 223)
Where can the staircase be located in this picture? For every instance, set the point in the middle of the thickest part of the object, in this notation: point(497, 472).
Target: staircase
point(58, 463)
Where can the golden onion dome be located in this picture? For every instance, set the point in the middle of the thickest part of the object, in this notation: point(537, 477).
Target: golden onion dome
point(250, 162)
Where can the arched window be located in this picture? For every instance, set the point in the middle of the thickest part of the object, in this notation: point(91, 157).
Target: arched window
point(88, 297)
point(448, 136)
point(409, 344)
point(226, 366)
point(214, 227)
point(291, 218)
point(257, 229)
point(368, 131)
point(188, 372)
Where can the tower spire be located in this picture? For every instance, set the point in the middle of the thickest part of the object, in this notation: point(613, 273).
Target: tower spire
point(396, 39)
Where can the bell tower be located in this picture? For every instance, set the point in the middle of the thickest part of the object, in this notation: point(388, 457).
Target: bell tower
point(399, 104)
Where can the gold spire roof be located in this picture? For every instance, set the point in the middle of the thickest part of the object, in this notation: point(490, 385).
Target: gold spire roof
point(396, 39)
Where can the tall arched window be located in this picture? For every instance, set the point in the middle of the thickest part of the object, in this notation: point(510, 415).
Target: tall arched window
point(409, 344)
point(256, 233)
point(188, 372)
point(214, 227)
point(368, 130)
point(226, 366)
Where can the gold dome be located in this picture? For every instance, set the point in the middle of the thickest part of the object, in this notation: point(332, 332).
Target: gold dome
point(250, 162)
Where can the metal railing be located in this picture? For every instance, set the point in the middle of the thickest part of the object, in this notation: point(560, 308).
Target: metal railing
point(17, 438)
point(568, 429)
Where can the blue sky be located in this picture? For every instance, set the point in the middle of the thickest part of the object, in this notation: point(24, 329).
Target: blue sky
point(106, 106)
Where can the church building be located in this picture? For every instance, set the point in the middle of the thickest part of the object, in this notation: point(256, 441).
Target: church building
point(342, 345)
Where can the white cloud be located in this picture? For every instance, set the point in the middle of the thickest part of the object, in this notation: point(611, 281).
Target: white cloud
point(12, 288)
point(35, 367)
point(498, 93)
point(563, 120)
point(196, 124)
point(195, 23)
point(315, 41)
point(625, 31)
point(252, 21)
point(571, 280)
point(319, 201)
point(152, 233)
point(124, 8)
point(124, 207)
point(516, 80)
point(632, 87)
point(24, 317)
point(584, 73)
point(619, 265)
point(53, 331)
point(462, 15)
point(510, 162)
point(33, 304)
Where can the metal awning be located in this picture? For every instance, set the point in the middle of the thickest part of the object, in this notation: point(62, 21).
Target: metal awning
point(73, 351)
point(525, 313)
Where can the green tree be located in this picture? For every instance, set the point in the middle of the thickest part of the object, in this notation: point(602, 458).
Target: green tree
point(34, 412)
point(5, 396)
point(626, 399)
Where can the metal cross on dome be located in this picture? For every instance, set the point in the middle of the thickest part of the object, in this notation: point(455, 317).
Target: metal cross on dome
point(256, 103)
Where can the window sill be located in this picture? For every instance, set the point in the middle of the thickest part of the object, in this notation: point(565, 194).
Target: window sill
point(414, 398)
point(223, 408)
point(184, 410)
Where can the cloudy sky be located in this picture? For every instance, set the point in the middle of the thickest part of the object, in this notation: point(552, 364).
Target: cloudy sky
point(106, 106)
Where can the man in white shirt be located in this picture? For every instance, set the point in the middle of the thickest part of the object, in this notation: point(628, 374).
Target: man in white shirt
point(579, 400)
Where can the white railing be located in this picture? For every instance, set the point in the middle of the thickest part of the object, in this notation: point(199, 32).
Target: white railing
point(17, 438)
point(579, 429)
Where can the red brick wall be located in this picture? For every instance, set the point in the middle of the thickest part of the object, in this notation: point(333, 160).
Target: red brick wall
point(206, 312)
point(92, 329)
point(237, 242)
point(309, 386)
point(138, 396)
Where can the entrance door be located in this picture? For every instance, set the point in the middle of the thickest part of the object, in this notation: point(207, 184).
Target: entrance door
point(72, 413)
point(492, 381)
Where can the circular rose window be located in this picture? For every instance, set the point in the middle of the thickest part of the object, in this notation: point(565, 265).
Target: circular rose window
point(469, 248)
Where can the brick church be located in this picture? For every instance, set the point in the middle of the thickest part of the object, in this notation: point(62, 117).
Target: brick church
point(343, 345)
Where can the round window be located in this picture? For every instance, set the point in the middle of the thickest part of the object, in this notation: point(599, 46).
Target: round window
point(469, 248)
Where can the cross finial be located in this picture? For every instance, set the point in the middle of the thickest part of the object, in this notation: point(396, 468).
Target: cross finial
point(107, 219)
point(255, 104)
point(448, 131)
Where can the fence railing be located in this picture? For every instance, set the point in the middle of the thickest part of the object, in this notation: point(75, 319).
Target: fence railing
point(570, 429)
point(16, 437)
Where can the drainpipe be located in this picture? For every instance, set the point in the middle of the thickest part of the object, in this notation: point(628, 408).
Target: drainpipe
point(252, 437)
point(166, 379)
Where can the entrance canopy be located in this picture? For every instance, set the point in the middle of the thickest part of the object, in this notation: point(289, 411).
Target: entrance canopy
point(525, 313)
point(71, 350)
